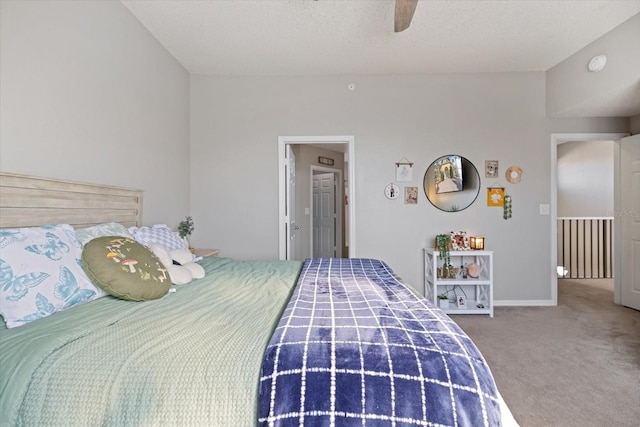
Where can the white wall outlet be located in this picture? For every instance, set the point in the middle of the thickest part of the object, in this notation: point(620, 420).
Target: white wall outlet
point(545, 209)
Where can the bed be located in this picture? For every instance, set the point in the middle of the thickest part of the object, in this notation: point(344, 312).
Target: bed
point(319, 342)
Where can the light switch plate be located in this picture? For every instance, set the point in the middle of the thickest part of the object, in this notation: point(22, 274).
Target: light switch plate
point(544, 209)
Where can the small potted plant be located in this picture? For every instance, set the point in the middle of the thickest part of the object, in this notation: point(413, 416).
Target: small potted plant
point(185, 228)
point(443, 301)
point(443, 242)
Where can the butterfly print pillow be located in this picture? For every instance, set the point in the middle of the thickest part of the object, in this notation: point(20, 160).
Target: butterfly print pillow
point(40, 273)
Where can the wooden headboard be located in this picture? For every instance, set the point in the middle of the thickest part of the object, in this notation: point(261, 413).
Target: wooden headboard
point(27, 201)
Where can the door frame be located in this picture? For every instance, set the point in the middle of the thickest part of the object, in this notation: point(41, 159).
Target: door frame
point(337, 174)
point(290, 203)
point(283, 141)
point(561, 138)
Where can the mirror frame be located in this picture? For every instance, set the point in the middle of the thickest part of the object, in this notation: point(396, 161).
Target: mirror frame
point(458, 200)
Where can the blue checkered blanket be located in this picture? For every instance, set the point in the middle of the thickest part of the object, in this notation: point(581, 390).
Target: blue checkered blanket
point(355, 346)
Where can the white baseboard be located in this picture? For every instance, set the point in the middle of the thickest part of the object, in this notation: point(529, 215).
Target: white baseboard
point(523, 303)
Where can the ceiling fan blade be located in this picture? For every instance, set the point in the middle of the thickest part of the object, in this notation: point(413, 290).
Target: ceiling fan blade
point(404, 14)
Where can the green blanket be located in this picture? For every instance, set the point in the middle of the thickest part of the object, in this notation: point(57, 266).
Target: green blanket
point(190, 358)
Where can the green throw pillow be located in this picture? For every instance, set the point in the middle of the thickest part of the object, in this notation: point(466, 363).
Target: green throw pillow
point(125, 268)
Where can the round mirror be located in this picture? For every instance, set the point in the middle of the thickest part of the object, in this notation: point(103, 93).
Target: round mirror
point(451, 183)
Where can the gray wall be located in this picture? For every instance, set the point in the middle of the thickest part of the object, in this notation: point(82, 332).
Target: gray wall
point(236, 122)
point(572, 90)
point(89, 95)
point(585, 178)
point(86, 80)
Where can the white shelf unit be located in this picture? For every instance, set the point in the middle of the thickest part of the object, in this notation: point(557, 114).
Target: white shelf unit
point(479, 291)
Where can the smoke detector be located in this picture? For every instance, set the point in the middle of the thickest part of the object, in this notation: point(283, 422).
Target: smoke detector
point(597, 63)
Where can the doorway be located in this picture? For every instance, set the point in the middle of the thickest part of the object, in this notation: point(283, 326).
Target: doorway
point(291, 229)
point(556, 140)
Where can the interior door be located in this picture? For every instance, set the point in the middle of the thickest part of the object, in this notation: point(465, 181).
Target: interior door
point(290, 214)
point(629, 221)
point(324, 215)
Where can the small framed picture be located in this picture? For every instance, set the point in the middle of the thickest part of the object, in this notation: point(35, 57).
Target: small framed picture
point(410, 195)
point(461, 301)
point(459, 241)
point(490, 168)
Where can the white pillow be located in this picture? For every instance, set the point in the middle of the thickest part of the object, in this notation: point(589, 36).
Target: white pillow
point(159, 233)
point(41, 273)
point(181, 256)
point(197, 271)
point(162, 253)
point(179, 275)
point(85, 235)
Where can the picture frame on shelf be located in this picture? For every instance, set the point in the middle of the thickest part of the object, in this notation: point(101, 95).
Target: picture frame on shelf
point(461, 301)
point(460, 241)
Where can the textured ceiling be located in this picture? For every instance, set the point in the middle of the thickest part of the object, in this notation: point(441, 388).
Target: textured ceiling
point(332, 37)
point(308, 37)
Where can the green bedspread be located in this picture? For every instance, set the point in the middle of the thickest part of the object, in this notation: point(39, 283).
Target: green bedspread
point(190, 358)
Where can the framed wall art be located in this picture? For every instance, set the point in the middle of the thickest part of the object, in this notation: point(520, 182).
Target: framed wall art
point(410, 195)
point(495, 196)
point(404, 170)
point(325, 161)
point(490, 168)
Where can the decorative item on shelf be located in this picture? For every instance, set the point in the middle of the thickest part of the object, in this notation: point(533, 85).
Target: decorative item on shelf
point(453, 272)
point(461, 301)
point(443, 301)
point(473, 270)
point(447, 272)
point(477, 243)
point(507, 207)
point(185, 228)
point(459, 241)
point(404, 170)
point(443, 244)
point(463, 271)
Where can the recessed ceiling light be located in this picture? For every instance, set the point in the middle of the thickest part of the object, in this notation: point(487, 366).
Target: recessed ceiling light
point(597, 63)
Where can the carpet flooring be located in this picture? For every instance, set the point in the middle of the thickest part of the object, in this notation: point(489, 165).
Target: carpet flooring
point(576, 364)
